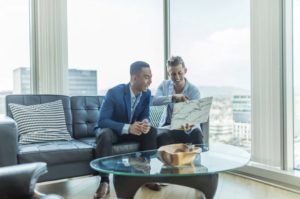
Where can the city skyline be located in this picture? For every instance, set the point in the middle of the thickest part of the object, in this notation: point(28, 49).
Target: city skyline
point(80, 82)
point(205, 90)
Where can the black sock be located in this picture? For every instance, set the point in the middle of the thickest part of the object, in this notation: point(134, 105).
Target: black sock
point(104, 179)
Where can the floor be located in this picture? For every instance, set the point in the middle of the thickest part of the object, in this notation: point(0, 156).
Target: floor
point(230, 186)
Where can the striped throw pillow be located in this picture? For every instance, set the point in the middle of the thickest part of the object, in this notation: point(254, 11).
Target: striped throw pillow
point(41, 122)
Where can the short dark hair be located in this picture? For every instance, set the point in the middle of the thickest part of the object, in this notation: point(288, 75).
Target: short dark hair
point(137, 66)
point(175, 61)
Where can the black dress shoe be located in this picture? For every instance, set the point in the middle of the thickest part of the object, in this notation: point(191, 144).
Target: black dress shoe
point(102, 191)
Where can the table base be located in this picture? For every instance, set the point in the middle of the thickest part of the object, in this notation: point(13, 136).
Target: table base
point(127, 186)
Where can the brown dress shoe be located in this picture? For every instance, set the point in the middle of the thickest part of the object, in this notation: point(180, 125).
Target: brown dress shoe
point(102, 191)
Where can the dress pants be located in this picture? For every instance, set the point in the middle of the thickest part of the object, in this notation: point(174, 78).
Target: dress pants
point(179, 136)
point(107, 138)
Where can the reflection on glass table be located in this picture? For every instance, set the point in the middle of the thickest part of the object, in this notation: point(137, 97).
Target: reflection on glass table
point(134, 169)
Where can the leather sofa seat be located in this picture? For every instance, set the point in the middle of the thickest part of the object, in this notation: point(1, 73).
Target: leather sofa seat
point(117, 148)
point(56, 152)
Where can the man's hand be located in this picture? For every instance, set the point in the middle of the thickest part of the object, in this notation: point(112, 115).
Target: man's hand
point(187, 127)
point(145, 126)
point(135, 128)
point(179, 98)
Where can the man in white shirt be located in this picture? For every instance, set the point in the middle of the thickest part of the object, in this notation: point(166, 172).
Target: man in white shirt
point(177, 89)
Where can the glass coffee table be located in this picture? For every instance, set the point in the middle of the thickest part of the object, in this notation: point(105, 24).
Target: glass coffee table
point(132, 170)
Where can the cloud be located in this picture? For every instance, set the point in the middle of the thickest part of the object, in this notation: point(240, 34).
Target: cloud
point(225, 48)
point(222, 58)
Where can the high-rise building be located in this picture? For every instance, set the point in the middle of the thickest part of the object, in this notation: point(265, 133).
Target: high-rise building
point(221, 131)
point(220, 120)
point(21, 80)
point(81, 82)
point(241, 109)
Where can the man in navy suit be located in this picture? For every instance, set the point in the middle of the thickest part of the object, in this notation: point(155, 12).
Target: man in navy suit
point(124, 116)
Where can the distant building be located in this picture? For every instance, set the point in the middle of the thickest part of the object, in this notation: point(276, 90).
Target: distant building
point(81, 82)
point(220, 120)
point(220, 128)
point(241, 109)
point(21, 80)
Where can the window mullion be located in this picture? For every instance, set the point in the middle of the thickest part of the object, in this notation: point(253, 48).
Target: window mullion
point(288, 105)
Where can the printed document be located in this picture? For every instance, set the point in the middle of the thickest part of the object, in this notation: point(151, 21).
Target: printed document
point(191, 112)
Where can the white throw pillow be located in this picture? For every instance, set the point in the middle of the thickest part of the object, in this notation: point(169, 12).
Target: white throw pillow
point(41, 122)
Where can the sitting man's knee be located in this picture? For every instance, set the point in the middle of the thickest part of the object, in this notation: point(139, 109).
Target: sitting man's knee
point(105, 134)
point(164, 139)
point(153, 131)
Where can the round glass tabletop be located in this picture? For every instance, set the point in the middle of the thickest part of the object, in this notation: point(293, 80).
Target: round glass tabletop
point(216, 158)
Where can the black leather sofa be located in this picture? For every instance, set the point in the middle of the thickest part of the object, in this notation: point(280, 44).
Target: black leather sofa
point(65, 159)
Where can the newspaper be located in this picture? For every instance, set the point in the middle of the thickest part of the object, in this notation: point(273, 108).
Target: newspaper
point(191, 112)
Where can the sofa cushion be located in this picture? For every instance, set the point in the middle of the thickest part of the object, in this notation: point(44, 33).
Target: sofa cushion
point(58, 152)
point(156, 113)
point(41, 122)
point(125, 147)
point(39, 99)
point(86, 112)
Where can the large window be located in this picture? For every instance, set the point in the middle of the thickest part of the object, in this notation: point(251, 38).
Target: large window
point(105, 37)
point(296, 43)
point(14, 49)
point(213, 37)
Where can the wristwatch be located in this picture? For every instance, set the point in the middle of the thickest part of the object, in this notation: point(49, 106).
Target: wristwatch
point(174, 99)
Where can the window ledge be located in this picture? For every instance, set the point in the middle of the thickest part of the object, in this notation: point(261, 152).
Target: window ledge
point(288, 180)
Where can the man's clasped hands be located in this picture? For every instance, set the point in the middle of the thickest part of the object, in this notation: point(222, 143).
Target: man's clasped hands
point(137, 128)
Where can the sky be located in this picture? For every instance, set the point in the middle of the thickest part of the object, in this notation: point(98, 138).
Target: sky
point(108, 35)
point(214, 42)
point(14, 39)
point(197, 34)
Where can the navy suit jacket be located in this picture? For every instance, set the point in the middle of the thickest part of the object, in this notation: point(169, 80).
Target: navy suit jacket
point(115, 110)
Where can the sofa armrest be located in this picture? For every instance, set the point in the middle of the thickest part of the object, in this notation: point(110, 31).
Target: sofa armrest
point(8, 141)
point(19, 181)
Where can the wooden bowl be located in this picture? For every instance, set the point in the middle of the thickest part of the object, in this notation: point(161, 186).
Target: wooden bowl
point(178, 154)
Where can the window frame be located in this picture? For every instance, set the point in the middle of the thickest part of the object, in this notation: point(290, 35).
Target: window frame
point(287, 175)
